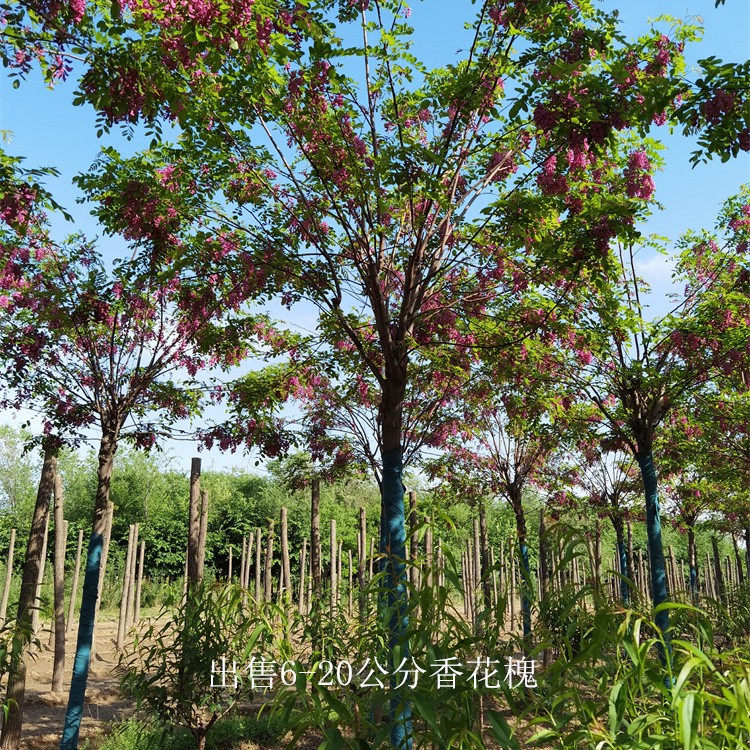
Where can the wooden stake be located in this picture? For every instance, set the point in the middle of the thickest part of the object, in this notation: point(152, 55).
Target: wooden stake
point(37, 600)
point(138, 584)
point(125, 591)
point(202, 532)
point(258, 591)
point(334, 566)
point(61, 533)
point(286, 568)
point(302, 563)
point(8, 577)
point(74, 587)
point(267, 580)
point(194, 522)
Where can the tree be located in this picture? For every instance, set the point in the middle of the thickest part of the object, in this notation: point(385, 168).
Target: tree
point(88, 347)
point(400, 203)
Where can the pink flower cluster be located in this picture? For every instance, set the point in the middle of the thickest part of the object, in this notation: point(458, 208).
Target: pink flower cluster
point(638, 180)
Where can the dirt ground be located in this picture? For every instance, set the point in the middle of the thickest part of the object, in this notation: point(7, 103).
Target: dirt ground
point(45, 711)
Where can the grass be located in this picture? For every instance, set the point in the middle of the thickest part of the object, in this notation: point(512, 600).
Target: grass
point(227, 734)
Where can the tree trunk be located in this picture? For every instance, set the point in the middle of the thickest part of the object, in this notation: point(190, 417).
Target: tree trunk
point(74, 712)
point(61, 532)
point(8, 577)
point(656, 550)
point(622, 560)
point(102, 572)
point(393, 537)
point(22, 631)
point(525, 570)
point(74, 587)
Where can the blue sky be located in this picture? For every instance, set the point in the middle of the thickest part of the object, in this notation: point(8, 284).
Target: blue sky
point(49, 131)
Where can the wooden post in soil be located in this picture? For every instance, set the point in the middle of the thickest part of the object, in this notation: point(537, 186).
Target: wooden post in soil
point(512, 586)
point(316, 563)
point(267, 572)
point(372, 556)
point(479, 603)
point(719, 576)
point(37, 597)
point(302, 564)
point(286, 568)
point(413, 539)
point(340, 576)
point(309, 586)
point(194, 523)
point(243, 558)
point(130, 609)
point(74, 586)
point(429, 546)
point(245, 568)
point(258, 589)
point(495, 599)
point(334, 567)
point(351, 584)
point(138, 585)
point(8, 577)
point(361, 562)
point(440, 564)
point(229, 566)
point(202, 533)
point(61, 533)
point(125, 597)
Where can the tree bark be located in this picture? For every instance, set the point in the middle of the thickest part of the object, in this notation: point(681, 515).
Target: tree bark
point(61, 533)
point(622, 560)
point(22, 631)
point(656, 551)
point(94, 560)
